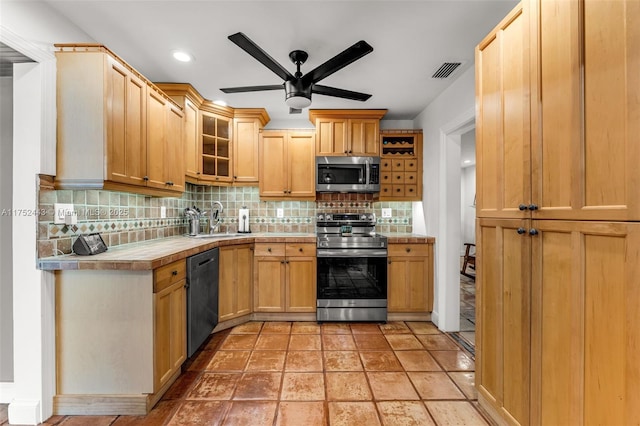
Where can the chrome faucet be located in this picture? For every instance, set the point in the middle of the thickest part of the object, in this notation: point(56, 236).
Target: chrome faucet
point(215, 216)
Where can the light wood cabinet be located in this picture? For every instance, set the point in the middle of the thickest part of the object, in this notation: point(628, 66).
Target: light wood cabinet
point(287, 164)
point(190, 100)
point(503, 313)
point(347, 132)
point(170, 322)
point(235, 289)
point(216, 148)
point(113, 124)
point(556, 264)
point(410, 278)
point(247, 124)
point(401, 165)
point(285, 277)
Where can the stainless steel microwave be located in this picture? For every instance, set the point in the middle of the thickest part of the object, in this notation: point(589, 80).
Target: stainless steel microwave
point(347, 174)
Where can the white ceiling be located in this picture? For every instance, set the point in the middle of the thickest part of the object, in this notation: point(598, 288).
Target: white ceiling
point(411, 39)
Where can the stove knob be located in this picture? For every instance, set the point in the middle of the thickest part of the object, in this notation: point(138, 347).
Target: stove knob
point(363, 217)
point(320, 217)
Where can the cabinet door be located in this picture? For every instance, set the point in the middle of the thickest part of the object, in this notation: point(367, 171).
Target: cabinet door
point(587, 88)
point(585, 322)
point(364, 137)
point(170, 337)
point(408, 284)
point(226, 285)
point(215, 149)
point(503, 123)
point(269, 294)
point(273, 164)
point(245, 150)
point(396, 285)
point(301, 284)
point(332, 136)
point(503, 317)
point(156, 140)
point(191, 140)
point(126, 125)
point(174, 149)
point(301, 165)
point(244, 284)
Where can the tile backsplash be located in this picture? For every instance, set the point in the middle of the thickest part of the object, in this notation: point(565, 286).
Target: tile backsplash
point(123, 218)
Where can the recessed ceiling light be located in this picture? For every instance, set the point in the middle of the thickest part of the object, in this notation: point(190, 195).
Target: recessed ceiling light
point(182, 56)
point(220, 102)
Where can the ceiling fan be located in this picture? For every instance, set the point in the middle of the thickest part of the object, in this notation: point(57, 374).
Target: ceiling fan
point(297, 87)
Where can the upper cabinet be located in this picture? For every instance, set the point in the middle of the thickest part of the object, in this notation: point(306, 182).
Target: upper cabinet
point(216, 149)
point(287, 164)
point(247, 124)
point(114, 125)
point(347, 132)
point(401, 165)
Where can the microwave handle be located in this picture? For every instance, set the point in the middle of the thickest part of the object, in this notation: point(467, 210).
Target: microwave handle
point(367, 177)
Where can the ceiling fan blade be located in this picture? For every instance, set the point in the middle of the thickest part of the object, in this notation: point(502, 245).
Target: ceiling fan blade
point(294, 110)
point(338, 62)
point(263, 57)
point(339, 93)
point(252, 88)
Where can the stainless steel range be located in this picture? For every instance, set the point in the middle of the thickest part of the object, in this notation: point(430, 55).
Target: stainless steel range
point(352, 268)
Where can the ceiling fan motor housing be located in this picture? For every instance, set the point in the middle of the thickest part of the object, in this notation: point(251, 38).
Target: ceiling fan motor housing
point(295, 93)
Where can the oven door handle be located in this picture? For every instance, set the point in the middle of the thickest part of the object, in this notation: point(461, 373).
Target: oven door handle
point(351, 252)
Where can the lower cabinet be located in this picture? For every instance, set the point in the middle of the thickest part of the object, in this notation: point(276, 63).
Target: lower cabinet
point(235, 281)
point(558, 324)
point(170, 322)
point(285, 277)
point(410, 277)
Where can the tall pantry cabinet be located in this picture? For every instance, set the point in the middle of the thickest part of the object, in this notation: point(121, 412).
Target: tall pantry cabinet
point(558, 205)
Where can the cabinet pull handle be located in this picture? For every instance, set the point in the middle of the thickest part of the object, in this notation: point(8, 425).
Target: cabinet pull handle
point(533, 231)
point(533, 207)
point(522, 207)
point(521, 231)
point(174, 273)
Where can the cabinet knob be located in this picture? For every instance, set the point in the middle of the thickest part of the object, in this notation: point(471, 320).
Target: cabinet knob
point(145, 178)
point(174, 273)
point(286, 261)
point(522, 207)
point(235, 177)
point(533, 207)
point(389, 262)
point(346, 152)
point(408, 250)
point(410, 189)
point(521, 231)
point(269, 249)
point(533, 231)
point(350, 151)
point(282, 262)
point(398, 190)
point(300, 249)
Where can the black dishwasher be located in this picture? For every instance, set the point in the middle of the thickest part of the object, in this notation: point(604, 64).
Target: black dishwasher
point(202, 298)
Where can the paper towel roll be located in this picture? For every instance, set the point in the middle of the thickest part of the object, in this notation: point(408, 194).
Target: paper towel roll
point(243, 220)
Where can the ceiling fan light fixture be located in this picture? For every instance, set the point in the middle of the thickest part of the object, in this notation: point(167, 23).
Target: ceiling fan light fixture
point(298, 101)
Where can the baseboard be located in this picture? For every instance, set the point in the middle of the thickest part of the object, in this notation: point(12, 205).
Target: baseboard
point(25, 412)
point(7, 392)
point(406, 316)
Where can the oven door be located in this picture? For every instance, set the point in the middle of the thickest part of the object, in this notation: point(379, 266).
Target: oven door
point(352, 277)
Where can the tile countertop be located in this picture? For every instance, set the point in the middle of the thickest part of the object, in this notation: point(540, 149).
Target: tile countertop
point(148, 255)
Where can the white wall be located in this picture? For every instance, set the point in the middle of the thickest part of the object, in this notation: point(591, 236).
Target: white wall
point(468, 211)
point(6, 253)
point(441, 165)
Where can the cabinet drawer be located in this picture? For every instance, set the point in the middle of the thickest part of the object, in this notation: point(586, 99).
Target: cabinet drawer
point(169, 274)
point(398, 178)
point(410, 178)
point(269, 249)
point(397, 190)
point(386, 190)
point(301, 249)
point(410, 165)
point(408, 250)
point(397, 165)
point(385, 178)
point(385, 165)
point(410, 190)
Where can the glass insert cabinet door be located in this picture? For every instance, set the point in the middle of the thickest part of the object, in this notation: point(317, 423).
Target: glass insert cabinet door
point(216, 147)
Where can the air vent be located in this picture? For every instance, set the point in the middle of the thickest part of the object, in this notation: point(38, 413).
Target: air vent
point(446, 69)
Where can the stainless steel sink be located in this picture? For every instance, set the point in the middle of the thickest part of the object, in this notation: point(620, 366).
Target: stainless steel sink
point(220, 235)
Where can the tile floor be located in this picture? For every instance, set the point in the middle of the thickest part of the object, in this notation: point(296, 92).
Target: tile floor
point(303, 373)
